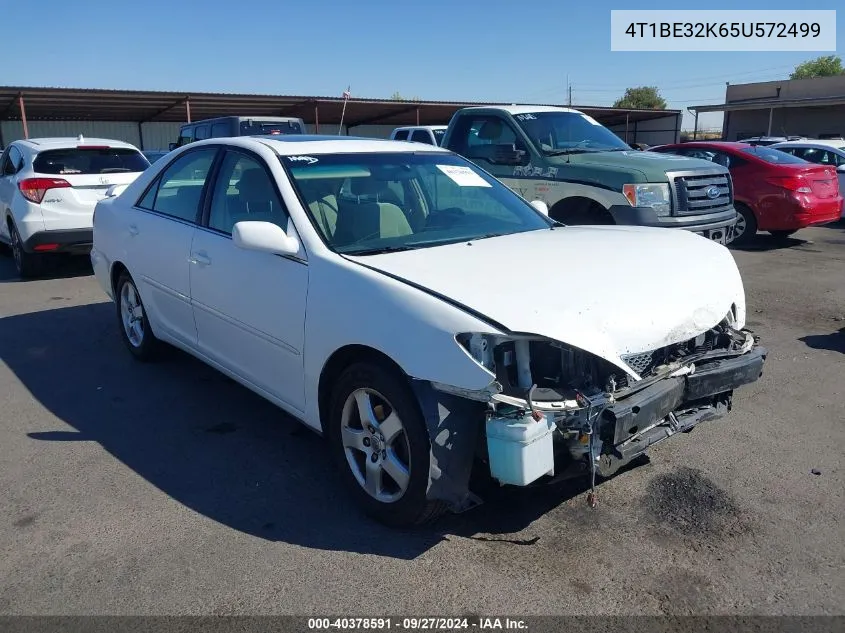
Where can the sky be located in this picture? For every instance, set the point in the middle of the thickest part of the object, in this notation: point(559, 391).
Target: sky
point(460, 50)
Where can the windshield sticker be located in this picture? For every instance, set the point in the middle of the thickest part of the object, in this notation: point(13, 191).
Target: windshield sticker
point(531, 170)
point(526, 117)
point(591, 120)
point(463, 176)
point(310, 160)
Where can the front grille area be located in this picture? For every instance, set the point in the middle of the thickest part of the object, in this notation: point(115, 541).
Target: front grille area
point(644, 363)
point(694, 193)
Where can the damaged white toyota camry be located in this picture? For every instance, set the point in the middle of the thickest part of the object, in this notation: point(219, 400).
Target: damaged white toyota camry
point(421, 315)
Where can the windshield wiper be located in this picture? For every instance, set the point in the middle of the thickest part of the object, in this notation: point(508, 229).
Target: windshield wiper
point(385, 249)
point(569, 150)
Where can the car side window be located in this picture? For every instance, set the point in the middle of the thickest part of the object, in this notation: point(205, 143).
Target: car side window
point(244, 191)
point(818, 156)
point(16, 159)
point(421, 136)
point(185, 136)
point(401, 135)
point(219, 130)
point(178, 191)
point(487, 138)
point(201, 133)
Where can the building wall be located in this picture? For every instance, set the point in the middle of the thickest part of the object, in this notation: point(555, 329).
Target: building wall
point(156, 135)
point(804, 120)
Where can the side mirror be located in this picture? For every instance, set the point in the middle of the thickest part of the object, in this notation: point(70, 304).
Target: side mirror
point(541, 206)
point(841, 168)
point(265, 237)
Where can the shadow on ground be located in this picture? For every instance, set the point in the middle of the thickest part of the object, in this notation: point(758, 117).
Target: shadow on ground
point(57, 267)
point(834, 342)
point(216, 447)
point(766, 242)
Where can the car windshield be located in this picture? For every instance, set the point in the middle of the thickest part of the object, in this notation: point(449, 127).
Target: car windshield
point(89, 160)
point(568, 132)
point(365, 204)
point(774, 156)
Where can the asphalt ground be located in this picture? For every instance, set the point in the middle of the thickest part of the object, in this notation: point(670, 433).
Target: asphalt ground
point(128, 488)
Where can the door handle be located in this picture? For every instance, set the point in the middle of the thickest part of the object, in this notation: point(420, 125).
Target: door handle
point(133, 230)
point(200, 259)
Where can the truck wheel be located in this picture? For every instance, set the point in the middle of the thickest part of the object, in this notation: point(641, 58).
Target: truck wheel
point(28, 265)
point(381, 444)
point(580, 213)
point(746, 224)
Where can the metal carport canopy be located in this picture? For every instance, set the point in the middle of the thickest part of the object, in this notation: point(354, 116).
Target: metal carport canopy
point(83, 104)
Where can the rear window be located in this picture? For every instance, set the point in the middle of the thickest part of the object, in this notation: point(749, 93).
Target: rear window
point(260, 128)
point(438, 136)
point(89, 161)
point(774, 156)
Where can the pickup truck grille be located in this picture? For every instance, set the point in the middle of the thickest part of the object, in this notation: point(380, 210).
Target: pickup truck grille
point(702, 193)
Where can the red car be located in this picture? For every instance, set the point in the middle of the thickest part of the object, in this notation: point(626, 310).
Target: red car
point(773, 191)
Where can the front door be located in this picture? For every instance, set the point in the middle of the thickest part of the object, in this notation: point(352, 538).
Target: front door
point(249, 307)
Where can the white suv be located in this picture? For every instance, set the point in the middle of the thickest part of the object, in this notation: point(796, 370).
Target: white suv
point(48, 190)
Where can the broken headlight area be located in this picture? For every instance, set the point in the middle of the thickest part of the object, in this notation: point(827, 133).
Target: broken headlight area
point(553, 406)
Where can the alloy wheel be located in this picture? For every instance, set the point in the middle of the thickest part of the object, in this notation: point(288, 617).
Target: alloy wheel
point(376, 445)
point(132, 314)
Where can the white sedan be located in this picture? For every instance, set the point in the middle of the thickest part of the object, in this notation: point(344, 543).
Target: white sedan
point(426, 319)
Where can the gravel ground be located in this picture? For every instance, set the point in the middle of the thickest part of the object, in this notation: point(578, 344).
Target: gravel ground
point(162, 489)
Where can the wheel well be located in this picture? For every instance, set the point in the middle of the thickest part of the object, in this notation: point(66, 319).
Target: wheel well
point(117, 270)
point(338, 362)
point(578, 206)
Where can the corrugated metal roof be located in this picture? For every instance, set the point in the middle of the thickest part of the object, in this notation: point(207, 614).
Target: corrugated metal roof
point(89, 104)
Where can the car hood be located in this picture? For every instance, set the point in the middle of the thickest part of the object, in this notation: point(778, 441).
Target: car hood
point(647, 162)
point(608, 290)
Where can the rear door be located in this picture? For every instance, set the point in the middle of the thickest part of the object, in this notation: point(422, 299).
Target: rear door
point(157, 237)
point(89, 171)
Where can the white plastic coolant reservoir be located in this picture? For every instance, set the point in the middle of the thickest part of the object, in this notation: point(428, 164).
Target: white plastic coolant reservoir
point(520, 450)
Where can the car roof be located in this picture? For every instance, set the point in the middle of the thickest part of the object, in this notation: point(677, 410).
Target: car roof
point(422, 127)
point(523, 109)
point(710, 144)
point(59, 142)
point(820, 143)
point(298, 144)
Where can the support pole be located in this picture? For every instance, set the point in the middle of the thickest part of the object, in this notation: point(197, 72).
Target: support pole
point(141, 135)
point(23, 116)
point(627, 119)
point(771, 112)
point(316, 119)
point(418, 115)
point(695, 128)
point(188, 108)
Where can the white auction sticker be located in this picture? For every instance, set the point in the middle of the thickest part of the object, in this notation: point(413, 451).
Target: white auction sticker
point(463, 176)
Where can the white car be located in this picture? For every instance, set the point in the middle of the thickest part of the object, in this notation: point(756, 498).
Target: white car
point(48, 190)
point(421, 315)
point(428, 134)
point(822, 152)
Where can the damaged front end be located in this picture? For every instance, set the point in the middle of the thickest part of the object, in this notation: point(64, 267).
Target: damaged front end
point(554, 409)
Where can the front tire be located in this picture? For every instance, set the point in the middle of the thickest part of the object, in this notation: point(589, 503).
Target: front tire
point(28, 265)
point(746, 225)
point(132, 321)
point(381, 444)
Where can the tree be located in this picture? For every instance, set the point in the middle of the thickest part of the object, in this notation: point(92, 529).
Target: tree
point(643, 98)
point(398, 97)
point(825, 66)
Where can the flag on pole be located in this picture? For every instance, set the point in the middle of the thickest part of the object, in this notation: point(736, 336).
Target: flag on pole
point(346, 95)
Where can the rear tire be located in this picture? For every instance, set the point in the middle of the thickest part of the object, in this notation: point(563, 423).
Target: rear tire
point(746, 225)
point(782, 235)
point(28, 265)
point(132, 321)
point(384, 452)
